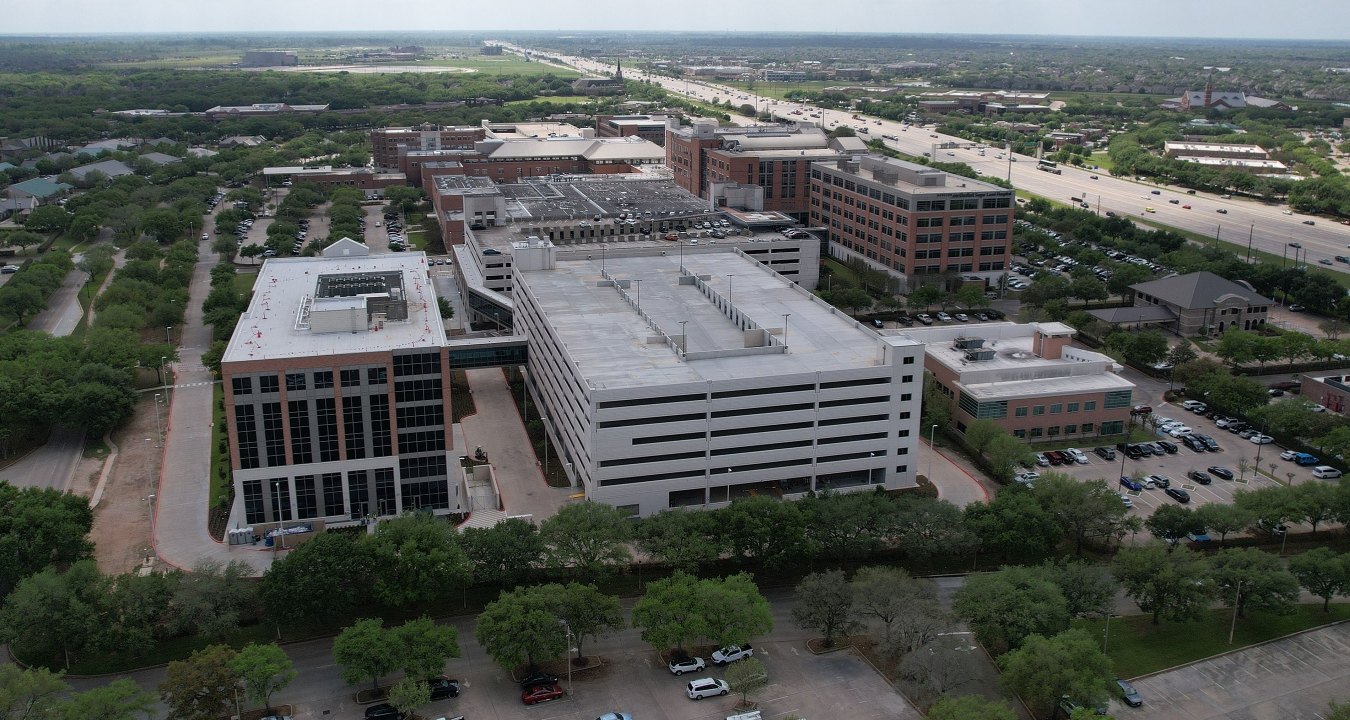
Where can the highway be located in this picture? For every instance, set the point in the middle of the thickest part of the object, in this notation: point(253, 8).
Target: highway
point(1267, 226)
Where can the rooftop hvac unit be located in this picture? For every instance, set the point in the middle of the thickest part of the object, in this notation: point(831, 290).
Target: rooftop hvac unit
point(969, 343)
point(978, 355)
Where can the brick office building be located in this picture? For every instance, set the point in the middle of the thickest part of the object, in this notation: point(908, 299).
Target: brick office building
point(911, 219)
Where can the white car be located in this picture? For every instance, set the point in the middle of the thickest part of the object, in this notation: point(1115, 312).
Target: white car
point(944, 317)
point(731, 653)
point(1179, 430)
point(706, 687)
point(1192, 404)
point(1126, 500)
point(680, 667)
point(1077, 456)
point(1288, 454)
point(1261, 439)
point(1027, 478)
point(1326, 471)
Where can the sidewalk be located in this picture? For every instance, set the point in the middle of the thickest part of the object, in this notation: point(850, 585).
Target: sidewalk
point(497, 428)
point(180, 535)
point(954, 483)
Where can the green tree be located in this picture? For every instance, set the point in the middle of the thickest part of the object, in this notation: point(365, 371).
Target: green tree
point(209, 600)
point(1005, 607)
point(1005, 453)
point(40, 527)
point(906, 607)
point(118, 700)
point(263, 670)
point(1181, 354)
point(1313, 503)
point(838, 525)
point(825, 604)
point(681, 540)
point(504, 554)
point(588, 537)
point(1085, 510)
point(1088, 588)
point(20, 301)
point(422, 647)
point(52, 614)
point(416, 558)
point(670, 613)
point(1170, 523)
point(970, 707)
point(970, 295)
point(1014, 526)
point(32, 693)
point(1247, 578)
point(365, 650)
point(925, 527)
point(164, 226)
point(747, 677)
point(521, 626)
point(1323, 573)
point(48, 218)
point(765, 529)
point(23, 239)
point(1163, 583)
point(588, 612)
point(924, 296)
point(851, 298)
point(203, 686)
point(1222, 518)
point(317, 581)
point(409, 694)
point(1046, 669)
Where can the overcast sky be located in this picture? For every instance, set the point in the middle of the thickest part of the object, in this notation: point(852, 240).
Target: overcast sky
point(1207, 19)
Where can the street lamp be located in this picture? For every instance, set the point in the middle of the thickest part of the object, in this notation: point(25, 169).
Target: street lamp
point(281, 519)
point(159, 426)
point(785, 328)
point(163, 378)
point(544, 419)
point(684, 338)
point(568, 629)
point(638, 284)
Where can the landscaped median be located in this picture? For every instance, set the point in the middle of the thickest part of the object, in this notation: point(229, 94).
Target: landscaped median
point(1138, 647)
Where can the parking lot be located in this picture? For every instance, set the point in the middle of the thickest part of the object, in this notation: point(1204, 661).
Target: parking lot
point(637, 682)
point(1292, 679)
point(1176, 465)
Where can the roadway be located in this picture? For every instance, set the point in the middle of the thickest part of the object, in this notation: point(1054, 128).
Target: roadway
point(1267, 225)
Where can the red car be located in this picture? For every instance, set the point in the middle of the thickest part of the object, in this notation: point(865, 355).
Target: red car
point(541, 693)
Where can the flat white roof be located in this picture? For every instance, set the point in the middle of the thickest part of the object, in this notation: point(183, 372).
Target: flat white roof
point(1222, 147)
point(614, 347)
point(269, 329)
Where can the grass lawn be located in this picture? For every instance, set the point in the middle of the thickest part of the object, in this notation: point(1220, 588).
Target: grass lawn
point(502, 65)
point(244, 281)
point(556, 99)
point(1139, 647)
point(220, 461)
point(1102, 160)
point(417, 239)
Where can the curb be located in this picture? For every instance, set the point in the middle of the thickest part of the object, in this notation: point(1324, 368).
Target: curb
point(1334, 623)
point(108, 463)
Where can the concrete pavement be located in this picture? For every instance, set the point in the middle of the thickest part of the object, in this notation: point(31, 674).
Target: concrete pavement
point(183, 495)
point(62, 314)
point(955, 483)
point(497, 428)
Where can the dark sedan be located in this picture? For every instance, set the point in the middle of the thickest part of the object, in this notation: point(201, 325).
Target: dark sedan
point(1221, 472)
point(1199, 477)
point(1128, 693)
point(1178, 494)
point(538, 677)
point(384, 711)
point(443, 687)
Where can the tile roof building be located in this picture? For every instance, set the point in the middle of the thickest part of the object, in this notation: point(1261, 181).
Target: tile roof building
point(1202, 303)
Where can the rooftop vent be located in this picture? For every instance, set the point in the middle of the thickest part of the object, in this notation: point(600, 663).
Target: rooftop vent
point(968, 343)
point(978, 355)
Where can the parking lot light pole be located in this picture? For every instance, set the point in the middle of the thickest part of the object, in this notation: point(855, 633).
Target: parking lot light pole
point(568, 629)
point(932, 450)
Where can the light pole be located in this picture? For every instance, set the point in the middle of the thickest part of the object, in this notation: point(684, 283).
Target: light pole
point(1237, 602)
point(544, 419)
point(568, 629)
point(281, 519)
point(729, 277)
point(159, 426)
point(167, 339)
point(638, 284)
point(684, 339)
point(150, 503)
point(1250, 233)
point(163, 377)
point(785, 328)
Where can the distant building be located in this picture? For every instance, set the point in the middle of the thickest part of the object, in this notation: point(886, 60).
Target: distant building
point(242, 141)
point(270, 58)
point(612, 85)
point(775, 75)
point(647, 127)
point(984, 103)
point(1211, 99)
point(159, 158)
point(912, 220)
point(40, 188)
point(1330, 391)
point(109, 168)
point(1027, 378)
point(1227, 156)
point(720, 71)
point(853, 74)
point(490, 50)
point(263, 109)
point(1199, 303)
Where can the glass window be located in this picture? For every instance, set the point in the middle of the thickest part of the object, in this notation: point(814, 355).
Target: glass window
point(1038, 410)
point(242, 385)
point(351, 378)
point(377, 376)
point(268, 384)
point(1055, 408)
point(1073, 407)
point(1021, 412)
point(323, 379)
point(1089, 406)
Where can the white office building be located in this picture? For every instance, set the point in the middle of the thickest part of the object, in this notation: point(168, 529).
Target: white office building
point(690, 381)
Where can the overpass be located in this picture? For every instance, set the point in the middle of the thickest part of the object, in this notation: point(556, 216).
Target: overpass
point(485, 350)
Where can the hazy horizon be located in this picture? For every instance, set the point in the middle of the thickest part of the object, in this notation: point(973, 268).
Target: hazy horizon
point(1162, 19)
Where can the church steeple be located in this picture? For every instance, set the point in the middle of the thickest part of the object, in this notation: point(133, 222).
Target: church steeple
point(618, 69)
point(1209, 87)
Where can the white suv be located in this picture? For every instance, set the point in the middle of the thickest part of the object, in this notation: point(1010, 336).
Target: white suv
point(706, 687)
point(1326, 471)
point(1077, 456)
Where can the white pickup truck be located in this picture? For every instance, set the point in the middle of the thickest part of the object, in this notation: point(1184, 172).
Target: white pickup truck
point(732, 653)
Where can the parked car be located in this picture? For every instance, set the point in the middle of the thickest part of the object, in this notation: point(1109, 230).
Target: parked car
point(1126, 500)
point(541, 693)
point(1042, 460)
point(1178, 494)
point(1178, 430)
point(1167, 447)
point(681, 666)
point(1271, 527)
point(1260, 439)
point(1198, 535)
point(1326, 471)
point(443, 687)
point(1192, 405)
point(538, 678)
point(1077, 456)
point(1194, 443)
point(1199, 477)
point(924, 318)
point(706, 687)
point(1131, 484)
point(1128, 693)
point(1161, 481)
point(1222, 472)
point(1304, 459)
point(384, 711)
point(1105, 453)
point(944, 317)
point(732, 653)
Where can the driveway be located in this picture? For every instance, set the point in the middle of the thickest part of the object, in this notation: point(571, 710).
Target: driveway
point(1289, 679)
